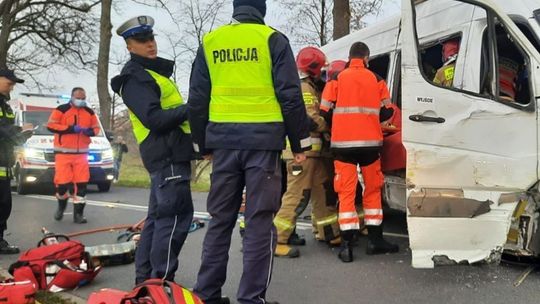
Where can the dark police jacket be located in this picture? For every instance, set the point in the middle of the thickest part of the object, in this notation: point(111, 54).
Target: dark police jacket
point(166, 143)
point(253, 136)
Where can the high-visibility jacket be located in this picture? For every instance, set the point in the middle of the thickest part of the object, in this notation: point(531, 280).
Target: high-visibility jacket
point(170, 98)
point(7, 119)
point(355, 122)
point(240, 67)
point(445, 75)
point(62, 121)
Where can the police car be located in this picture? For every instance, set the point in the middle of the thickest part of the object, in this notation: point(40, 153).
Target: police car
point(34, 161)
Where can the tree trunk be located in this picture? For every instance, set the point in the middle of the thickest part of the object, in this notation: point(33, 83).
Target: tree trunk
point(5, 31)
point(105, 36)
point(322, 33)
point(342, 18)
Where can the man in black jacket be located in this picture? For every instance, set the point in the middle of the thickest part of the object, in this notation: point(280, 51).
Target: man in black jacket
point(10, 136)
point(245, 97)
point(159, 120)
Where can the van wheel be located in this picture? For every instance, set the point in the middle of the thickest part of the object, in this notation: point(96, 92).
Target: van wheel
point(104, 187)
point(22, 189)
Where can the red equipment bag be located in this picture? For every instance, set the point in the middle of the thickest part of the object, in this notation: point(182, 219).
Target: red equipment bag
point(153, 291)
point(17, 292)
point(107, 296)
point(55, 267)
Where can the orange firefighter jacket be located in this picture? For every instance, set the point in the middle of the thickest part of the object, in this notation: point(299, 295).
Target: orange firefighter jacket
point(62, 123)
point(357, 96)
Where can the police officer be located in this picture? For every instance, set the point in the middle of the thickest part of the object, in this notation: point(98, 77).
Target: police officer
point(245, 96)
point(159, 120)
point(10, 136)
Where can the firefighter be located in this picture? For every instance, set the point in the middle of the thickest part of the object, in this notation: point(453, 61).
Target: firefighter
point(245, 97)
point(73, 124)
point(356, 139)
point(310, 180)
point(10, 136)
point(159, 120)
point(445, 74)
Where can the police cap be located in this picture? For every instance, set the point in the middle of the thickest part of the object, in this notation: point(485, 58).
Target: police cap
point(9, 74)
point(138, 28)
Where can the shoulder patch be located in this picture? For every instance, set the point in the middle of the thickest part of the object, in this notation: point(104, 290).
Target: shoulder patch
point(87, 109)
point(308, 98)
point(64, 108)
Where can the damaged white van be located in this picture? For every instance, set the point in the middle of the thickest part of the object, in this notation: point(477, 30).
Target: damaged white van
point(470, 183)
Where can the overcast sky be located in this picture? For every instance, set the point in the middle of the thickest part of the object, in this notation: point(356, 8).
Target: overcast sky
point(64, 80)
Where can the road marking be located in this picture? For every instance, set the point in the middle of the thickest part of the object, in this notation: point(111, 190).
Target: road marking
point(198, 214)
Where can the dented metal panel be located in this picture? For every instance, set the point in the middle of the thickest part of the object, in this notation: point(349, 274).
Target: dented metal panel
point(445, 203)
point(467, 169)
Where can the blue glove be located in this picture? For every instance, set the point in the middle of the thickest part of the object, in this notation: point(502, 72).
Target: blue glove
point(88, 131)
point(77, 129)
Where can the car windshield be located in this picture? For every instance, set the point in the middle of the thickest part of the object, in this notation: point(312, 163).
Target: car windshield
point(537, 15)
point(39, 120)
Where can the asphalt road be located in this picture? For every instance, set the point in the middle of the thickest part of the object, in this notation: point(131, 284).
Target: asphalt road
point(316, 277)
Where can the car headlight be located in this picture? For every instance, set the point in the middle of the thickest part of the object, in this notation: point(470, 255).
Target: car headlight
point(34, 153)
point(107, 154)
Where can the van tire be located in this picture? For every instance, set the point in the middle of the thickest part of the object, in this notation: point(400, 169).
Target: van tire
point(104, 187)
point(22, 189)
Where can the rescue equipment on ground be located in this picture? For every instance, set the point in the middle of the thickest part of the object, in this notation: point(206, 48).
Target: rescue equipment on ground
point(55, 265)
point(12, 292)
point(153, 291)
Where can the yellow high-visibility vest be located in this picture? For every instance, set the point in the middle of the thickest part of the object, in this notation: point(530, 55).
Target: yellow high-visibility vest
point(240, 66)
point(170, 99)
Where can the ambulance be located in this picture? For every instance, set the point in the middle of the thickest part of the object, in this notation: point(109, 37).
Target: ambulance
point(34, 161)
point(467, 174)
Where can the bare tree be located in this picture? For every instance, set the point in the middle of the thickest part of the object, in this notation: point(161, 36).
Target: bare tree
point(202, 17)
point(316, 22)
point(36, 34)
point(362, 9)
point(105, 36)
point(342, 18)
point(308, 22)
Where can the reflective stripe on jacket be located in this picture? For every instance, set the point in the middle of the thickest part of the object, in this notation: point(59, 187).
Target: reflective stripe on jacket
point(355, 122)
point(240, 66)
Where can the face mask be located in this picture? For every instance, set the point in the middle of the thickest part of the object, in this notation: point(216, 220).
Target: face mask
point(79, 103)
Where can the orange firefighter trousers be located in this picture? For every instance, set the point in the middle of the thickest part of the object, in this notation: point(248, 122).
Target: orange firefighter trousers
point(345, 182)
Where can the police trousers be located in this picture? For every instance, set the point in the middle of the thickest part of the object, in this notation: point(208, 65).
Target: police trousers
point(311, 181)
point(170, 212)
point(5, 203)
point(260, 172)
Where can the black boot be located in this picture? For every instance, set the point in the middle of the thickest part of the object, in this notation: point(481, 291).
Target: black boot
point(78, 210)
point(60, 210)
point(6, 248)
point(296, 240)
point(346, 251)
point(377, 244)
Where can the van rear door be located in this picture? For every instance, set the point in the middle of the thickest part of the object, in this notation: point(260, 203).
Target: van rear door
point(470, 142)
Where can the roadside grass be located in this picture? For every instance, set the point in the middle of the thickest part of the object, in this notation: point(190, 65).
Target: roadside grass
point(133, 174)
point(44, 297)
